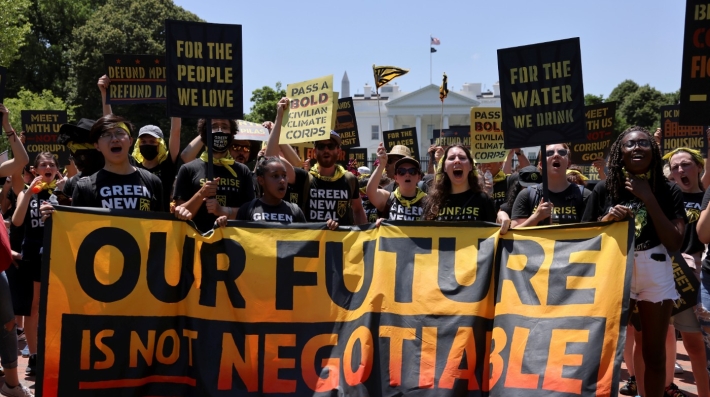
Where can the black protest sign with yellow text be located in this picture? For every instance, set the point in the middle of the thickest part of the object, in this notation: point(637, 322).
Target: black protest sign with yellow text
point(403, 136)
point(600, 121)
point(454, 135)
point(346, 123)
point(41, 132)
point(135, 78)
point(359, 154)
point(151, 307)
point(695, 76)
point(541, 93)
point(204, 70)
point(675, 135)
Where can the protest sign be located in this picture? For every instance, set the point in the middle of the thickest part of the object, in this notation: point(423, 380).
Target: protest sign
point(487, 144)
point(3, 78)
point(695, 76)
point(135, 78)
point(204, 70)
point(455, 134)
point(346, 123)
point(359, 154)
point(675, 135)
point(403, 136)
point(151, 307)
point(309, 118)
point(542, 96)
point(251, 131)
point(600, 135)
point(41, 132)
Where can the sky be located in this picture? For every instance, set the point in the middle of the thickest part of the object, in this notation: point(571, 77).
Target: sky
point(290, 42)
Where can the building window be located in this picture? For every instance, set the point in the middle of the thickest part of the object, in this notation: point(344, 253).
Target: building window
point(375, 132)
point(406, 125)
point(430, 131)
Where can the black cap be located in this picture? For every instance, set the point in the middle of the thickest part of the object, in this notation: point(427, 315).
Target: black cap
point(529, 176)
point(78, 133)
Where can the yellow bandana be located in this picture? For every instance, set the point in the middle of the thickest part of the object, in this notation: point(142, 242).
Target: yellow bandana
point(162, 151)
point(73, 146)
point(577, 173)
point(640, 176)
point(500, 176)
point(408, 203)
point(225, 161)
point(48, 186)
point(339, 173)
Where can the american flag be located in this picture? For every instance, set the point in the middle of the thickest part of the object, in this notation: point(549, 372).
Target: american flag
point(435, 41)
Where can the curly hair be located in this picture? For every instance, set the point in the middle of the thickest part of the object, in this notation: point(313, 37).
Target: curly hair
point(616, 180)
point(441, 189)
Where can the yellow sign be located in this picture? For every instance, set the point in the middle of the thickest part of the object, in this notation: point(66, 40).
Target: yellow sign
point(487, 144)
point(310, 116)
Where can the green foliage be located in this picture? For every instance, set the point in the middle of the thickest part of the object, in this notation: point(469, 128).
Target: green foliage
point(643, 107)
point(265, 100)
point(621, 91)
point(591, 99)
point(14, 26)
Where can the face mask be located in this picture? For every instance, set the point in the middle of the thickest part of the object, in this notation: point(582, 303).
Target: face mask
point(220, 141)
point(149, 152)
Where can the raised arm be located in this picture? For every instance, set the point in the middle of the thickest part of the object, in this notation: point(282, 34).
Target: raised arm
point(191, 150)
point(19, 155)
point(175, 124)
point(104, 82)
point(378, 197)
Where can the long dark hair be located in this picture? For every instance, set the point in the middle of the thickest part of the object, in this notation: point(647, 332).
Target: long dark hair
point(442, 185)
point(616, 180)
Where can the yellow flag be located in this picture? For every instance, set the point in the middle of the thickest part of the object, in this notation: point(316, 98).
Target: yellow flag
point(443, 90)
point(383, 74)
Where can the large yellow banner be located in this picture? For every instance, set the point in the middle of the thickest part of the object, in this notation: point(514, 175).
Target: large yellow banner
point(150, 307)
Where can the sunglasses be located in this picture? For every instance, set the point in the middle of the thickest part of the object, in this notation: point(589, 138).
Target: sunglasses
point(330, 146)
point(243, 148)
point(645, 143)
point(561, 152)
point(405, 171)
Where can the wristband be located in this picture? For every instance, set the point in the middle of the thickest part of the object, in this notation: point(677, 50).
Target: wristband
point(518, 153)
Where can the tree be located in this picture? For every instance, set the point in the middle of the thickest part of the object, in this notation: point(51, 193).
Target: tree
point(265, 100)
point(28, 100)
point(642, 107)
point(621, 91)
point(120, 27)
point(13, 29)
point(591, 99)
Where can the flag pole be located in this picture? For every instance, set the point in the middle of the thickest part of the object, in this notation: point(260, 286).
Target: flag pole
point(379, 112)
point(430, 80)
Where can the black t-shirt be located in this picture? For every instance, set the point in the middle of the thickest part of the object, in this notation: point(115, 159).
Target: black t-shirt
point(232, 191)
point(467, 206)
point(134, 191)
point(331, 200)
point(34, 227)
point(691, 242)
point(669, 197)
point(296, 192)
point(166, 172)
point(399, 212)
point(500, 192)
point(259, 211)
point(427, 181)
point(703, 207)
point(17, 233)
point(371, 212)
point(568, 204)
point(69, 185)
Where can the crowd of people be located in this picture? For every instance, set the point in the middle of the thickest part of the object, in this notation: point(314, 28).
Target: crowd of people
point(113, 167)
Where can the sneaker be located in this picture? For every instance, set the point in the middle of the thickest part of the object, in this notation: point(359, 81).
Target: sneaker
point(629, 389)
point(678, 369)
point(31, 365)
point(673, 391)
point(17, 391)
point(25, 352)
point(21, 334)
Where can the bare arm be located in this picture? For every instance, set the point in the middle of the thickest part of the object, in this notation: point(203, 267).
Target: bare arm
point(175, 124)
point(19, 155)
point(359, 216)
point(508, 165)
point(378, 197)
point(705, 180)
point(272, 146)
point(191, 150)
point(23, 201)
point(104, 82)
point(703, 226)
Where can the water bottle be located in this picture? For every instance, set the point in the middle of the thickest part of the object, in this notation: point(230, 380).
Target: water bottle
point(53, 200)
point(489, 181)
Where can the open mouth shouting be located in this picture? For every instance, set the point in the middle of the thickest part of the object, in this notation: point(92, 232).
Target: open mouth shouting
point(116, 149)
point(48, 175)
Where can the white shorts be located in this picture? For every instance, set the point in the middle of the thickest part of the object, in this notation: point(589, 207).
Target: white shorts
point(652, 277)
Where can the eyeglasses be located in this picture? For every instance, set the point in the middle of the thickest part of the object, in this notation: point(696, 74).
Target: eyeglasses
point(243, 148)
point(118, 134)
point(330, 146)
point(561, 152)
point(645, 143)
point(405, 171)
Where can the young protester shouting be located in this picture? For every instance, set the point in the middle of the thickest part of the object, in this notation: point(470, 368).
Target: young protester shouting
point(204, 201)
point(567, 200)
point(456, 194)
point(406, 201)
point(8, 328)
point(28, 215)
point(636, 188)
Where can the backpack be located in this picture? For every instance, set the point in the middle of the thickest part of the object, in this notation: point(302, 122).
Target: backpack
point(87, 185)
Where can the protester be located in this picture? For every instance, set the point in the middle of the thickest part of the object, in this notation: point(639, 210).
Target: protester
point(527, 177)
point(396, 153)
point(500, 171)
point(635, 188)
point(202, 200)
point(406, 201)
point(567, 200)
point(333, 192)
point(83, 153)
point(8, 328)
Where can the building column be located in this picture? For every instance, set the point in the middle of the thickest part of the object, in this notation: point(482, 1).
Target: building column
point(446, 121)
point(391, 123)
point(422, 135)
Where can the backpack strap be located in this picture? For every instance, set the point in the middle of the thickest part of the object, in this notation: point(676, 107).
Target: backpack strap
point(87, 187)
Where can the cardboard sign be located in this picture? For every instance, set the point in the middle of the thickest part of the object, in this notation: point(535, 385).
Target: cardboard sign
point(3, 78)
point(204, 65)
point(695, 76)
point(455, 134)
point(41, 132)
point(487, 145)
point(600, 135)
point(404, 136)
point(542, 96)
point(135, 78)
point(674, 134)
point(359, 154)
point(309, 118)
point(346, 123)
point(247, 130)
